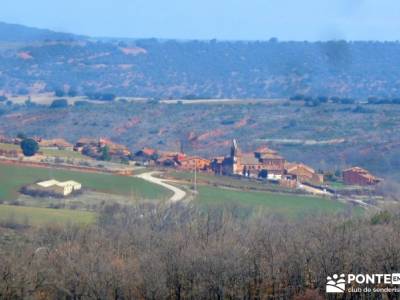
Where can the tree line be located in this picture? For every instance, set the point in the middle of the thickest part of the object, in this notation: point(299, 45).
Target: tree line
point(184, 252)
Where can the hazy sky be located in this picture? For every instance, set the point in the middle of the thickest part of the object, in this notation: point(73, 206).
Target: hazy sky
point(206, 19)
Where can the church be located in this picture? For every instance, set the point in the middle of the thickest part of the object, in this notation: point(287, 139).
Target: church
point(264, 162)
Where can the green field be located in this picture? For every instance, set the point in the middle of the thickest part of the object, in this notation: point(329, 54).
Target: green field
point(282, 204)
point(40, 216)
point(12, 178)
point(228, 181)
point(49, 152)
point(336, 184)
point(63, 153)
point(9, 147)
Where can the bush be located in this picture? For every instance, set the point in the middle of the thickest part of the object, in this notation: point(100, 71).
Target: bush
point(100, 96)
point(72, 93)
point(81, 103)
point(59, 93)
point(59, 103)
point(29, 147)
point(105, 154)
point(382, 217)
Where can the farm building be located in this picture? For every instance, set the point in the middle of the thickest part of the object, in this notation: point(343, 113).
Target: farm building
point(52, 188)
point(359, 176)
point(147, 152)
point(169, 159)
point(194, 162)
point(145, 156)
point(304, 173)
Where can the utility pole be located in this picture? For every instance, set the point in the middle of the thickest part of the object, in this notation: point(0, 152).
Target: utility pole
point(195, 176)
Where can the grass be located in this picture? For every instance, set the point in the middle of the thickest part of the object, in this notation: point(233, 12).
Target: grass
point(227, 181)
point(48, 152)
point(13, 177)
point(337, 184)
point(282, 204)
point(9, 147)
point(40, 216)
point(63, 153)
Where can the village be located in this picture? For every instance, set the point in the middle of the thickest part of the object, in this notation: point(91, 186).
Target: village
point(263, 164)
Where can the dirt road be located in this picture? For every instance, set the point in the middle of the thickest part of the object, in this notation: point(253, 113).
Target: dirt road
point(313, 190)
point(179, 194)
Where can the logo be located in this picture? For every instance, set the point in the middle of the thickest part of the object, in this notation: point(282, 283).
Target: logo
point(396, 278)
point(336, 284)
point(367, 283)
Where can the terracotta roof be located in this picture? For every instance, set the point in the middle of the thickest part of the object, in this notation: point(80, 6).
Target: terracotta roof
point(194, 157)
point(249, 159)
point(148, 151)
point(219, 159)
point(270, 156)
point(170, 153)
point(361, 172)
point(265, 149)
point(290, 167)
point(357, 170)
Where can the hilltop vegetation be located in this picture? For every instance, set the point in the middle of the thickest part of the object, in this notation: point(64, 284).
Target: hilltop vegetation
point(48, 61)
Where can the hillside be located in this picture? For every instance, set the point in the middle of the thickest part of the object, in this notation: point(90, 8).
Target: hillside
point(195, 69)
point(25, 34)
point(330, 136)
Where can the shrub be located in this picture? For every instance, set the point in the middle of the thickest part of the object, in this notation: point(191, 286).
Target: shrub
point(29, 147)
point(59, 103)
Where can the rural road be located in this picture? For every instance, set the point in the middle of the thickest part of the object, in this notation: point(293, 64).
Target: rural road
point(178, 193)
point(313, 190)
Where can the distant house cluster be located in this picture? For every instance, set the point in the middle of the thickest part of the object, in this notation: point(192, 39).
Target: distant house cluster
point(148, 156)
point(264, 163)
point(52, 188)
point(94, 147)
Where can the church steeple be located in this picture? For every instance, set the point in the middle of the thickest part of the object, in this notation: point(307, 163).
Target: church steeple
point(235, 148)
point(236, 157)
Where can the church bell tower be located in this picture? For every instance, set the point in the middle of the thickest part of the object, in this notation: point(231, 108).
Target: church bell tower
point(236, 158)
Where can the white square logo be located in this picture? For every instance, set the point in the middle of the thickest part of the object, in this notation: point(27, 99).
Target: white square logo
point(396, 278)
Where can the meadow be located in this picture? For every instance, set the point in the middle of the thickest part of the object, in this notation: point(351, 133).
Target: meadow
point(41, 216)
point(272, 198)
point(13, 177)
point(274, 203)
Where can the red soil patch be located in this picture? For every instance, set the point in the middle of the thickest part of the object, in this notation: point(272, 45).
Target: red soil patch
point(133, 50)
point(25, 55)
point(210, 134)
point(131, 123)
point(241, 123)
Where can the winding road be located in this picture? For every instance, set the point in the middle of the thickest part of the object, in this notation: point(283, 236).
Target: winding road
point(178, 195)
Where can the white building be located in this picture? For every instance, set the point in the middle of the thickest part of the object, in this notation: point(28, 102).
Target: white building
point(65, 187)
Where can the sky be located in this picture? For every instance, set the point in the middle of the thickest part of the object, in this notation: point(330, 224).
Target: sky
point(207, 19)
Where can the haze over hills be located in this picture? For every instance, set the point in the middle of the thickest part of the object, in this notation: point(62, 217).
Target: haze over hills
point(47, 61)
point(20, 33)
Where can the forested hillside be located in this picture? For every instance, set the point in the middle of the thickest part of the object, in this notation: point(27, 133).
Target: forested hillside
point(49, 61)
